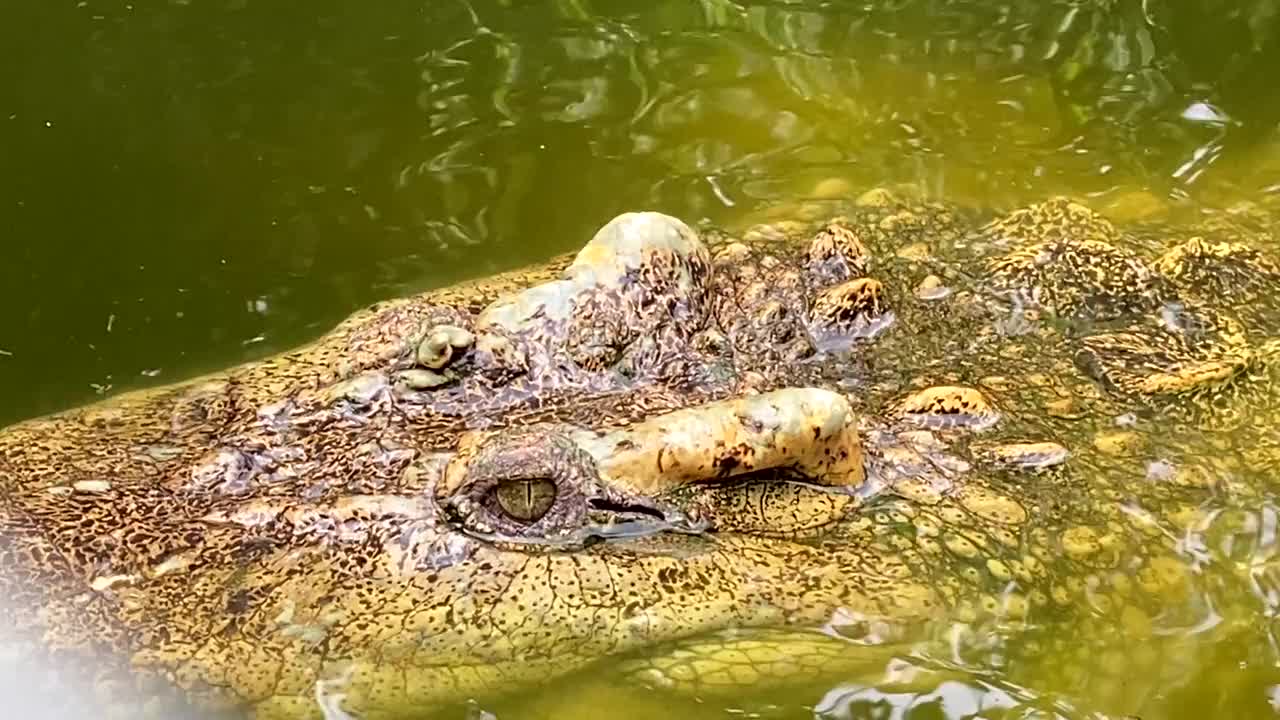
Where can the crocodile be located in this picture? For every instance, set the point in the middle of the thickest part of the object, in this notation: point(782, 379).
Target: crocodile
point(705, 459)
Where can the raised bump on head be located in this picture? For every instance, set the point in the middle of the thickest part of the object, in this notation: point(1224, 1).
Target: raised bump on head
point(625, 246)
point(1065, 258)
point(1028, 455)
point(949, 406)
point(640, 272)
point(437, 348)
point(848, 311)
point(1218, 270)
point(1184, 356)
point(836, 253)
point(808, 430)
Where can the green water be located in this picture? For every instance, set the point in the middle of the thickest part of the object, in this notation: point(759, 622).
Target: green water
point(190, 184)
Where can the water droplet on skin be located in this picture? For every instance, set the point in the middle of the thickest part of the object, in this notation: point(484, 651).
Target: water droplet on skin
point(1161, 470)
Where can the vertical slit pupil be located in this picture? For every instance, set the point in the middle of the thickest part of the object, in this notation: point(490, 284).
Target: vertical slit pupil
point(525, 499)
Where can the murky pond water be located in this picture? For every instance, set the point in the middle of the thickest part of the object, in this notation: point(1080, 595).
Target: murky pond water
point(196, 184)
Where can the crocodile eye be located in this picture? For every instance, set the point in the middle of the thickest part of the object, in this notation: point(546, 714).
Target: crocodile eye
point(526, 499)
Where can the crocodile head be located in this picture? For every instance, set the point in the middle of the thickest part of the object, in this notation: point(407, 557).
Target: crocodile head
point(717, 461)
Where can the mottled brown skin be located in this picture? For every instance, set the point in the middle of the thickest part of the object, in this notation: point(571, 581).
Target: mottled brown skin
point(407, 512)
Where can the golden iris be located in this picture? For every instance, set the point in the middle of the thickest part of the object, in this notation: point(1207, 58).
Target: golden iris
point(526, 499)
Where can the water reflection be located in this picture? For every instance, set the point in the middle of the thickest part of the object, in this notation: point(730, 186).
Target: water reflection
point(952, 700)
